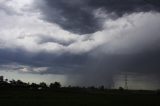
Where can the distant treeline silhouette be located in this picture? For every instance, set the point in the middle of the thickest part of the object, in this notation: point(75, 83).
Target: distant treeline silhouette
point(19, 93)
point(18, 84)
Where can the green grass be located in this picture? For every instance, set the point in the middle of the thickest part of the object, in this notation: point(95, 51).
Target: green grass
point(60, 98)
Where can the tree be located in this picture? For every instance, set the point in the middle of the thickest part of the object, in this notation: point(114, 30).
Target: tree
point(121, 88)
point(43, 85)
point(55, 85)
point(101, 87)
point(34, 86)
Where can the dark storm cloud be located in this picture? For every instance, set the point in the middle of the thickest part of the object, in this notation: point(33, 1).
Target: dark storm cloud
point(71, 16)
point(77, 16)
point(63, 64)
point(126, 6)
point(97, 70)
point(135, 49)
point(147, 62)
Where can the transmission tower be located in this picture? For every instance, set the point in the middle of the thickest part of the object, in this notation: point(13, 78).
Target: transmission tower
point(126, 81)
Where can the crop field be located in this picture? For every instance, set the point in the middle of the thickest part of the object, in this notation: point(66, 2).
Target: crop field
point(77, 98)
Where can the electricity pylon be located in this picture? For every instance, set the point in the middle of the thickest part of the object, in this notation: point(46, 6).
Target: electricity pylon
point(126, 81)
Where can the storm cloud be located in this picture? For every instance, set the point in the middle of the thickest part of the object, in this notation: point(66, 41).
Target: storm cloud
point(89, 41)
point(78, 16)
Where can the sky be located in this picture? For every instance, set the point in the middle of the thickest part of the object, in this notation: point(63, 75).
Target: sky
point(81, 42)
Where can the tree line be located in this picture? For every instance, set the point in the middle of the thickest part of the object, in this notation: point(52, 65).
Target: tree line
point(56, 86)
point(18, 84)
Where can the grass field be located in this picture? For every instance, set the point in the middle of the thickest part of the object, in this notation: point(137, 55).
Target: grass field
point(70, 98)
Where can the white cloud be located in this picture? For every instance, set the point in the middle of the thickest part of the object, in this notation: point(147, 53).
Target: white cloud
point(131, 33)
point(25, 30)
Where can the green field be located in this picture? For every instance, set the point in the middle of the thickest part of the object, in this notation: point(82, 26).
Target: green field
point(77, 98)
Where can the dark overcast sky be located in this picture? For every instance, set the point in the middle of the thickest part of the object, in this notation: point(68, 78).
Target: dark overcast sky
point(87, 41)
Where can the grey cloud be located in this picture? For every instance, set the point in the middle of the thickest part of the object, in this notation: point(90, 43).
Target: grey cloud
point(85, 69)
point(8, 10)
point(147, 62)
point(98, 65)
point(125, 6)
point(103, 69)
point(47, 39)
point(78, 16)
point(57, 64)
point(70, 16)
